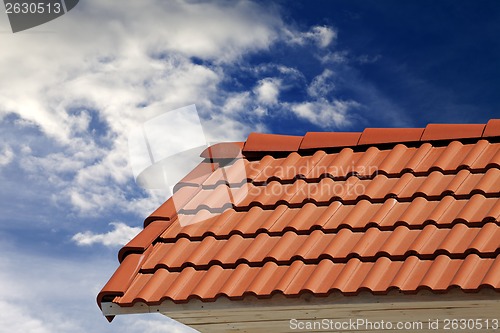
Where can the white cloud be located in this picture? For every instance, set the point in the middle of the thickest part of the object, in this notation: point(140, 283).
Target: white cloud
point(322, 36)
point(267, 91)
point(6, 155)
point(324, 113)
point(121, 234)
point(321, 85)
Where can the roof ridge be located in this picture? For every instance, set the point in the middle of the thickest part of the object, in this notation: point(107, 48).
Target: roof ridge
point(262, 142)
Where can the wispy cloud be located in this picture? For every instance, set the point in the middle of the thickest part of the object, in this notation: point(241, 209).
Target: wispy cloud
point(322, 36)
point(322, 84)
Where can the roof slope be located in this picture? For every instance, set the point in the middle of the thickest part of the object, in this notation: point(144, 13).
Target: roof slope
point(383, 209)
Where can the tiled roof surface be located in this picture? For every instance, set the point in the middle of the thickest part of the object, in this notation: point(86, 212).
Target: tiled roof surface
point(382, 209)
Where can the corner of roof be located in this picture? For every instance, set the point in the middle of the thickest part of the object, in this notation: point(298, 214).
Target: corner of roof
point(140, 243)
point(166, 212)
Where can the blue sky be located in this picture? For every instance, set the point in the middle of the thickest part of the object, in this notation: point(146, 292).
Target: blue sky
point(72, 89)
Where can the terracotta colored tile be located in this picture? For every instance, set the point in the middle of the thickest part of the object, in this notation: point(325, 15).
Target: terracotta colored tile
point(223, 150)
point(293, 277)
point(396, 242)
point(487, 183)
point(477, 150)
point(363, 164)
point(287, 170)
point(144, 239)
point(334, 165)
point(452, 131)
point(457, 239)
point(211, 284)
point(450, 157)
point(322, 276)
point(486, 239)
point(396, 160)
point(409, 275)
point(122, 278)
point(440, 273)
point(319, 140)
point(135, 288)
point(301, 278)
point(152, 290)
point(372, 136)
point(199, 174)
point(437, 212)
point(388, 212)
point(491, 278)
point(258, 142)
point(375, 278)
point(165, 212)
point(490, 157)
point(492, 128)
point(238, 281)
point(351, 276)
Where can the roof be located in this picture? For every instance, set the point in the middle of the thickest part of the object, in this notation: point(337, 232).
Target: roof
point(391, 208)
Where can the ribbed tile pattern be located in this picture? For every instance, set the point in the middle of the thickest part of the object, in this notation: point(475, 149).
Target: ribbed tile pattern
point(327, 212)
point(320, 278)
point(338, 247)
point(373, 161)
point(406, 187)
point(364, 214)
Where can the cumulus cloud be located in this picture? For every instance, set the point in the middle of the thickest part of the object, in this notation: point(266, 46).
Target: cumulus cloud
point(267, 91)
point(121, 234)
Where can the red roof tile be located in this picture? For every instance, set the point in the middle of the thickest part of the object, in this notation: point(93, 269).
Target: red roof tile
point(259, 142)
point(452, 131)
point(372, 136)
point(407, 209)
point(317, 140)
point(492, 128)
